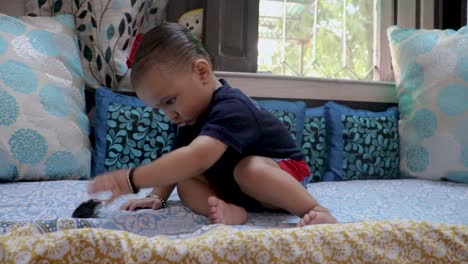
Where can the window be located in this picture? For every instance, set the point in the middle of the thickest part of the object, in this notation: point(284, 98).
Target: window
point(343, 39)
point(318, 38)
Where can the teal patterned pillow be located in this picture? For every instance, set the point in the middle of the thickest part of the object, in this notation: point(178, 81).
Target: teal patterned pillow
point(43, 126)
point(129, 133)
point(289, 120)
point(290, 113)
point(362, 144)
point(106, 31)
point(314, 145)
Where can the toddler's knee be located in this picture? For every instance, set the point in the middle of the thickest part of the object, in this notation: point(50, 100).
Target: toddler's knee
point(246, 170)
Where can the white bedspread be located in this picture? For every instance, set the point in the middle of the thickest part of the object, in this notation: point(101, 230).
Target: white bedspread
point(47, 203)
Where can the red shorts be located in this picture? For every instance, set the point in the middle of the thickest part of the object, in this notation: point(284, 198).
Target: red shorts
point(299, 169)
point(296, 168)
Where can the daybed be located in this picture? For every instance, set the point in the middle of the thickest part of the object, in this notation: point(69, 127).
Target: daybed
point(392, 178)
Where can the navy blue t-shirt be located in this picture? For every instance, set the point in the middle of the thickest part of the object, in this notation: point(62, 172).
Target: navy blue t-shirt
point(245, 127)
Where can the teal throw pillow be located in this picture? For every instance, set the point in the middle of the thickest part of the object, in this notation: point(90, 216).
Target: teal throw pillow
point(314, 144)
point(128, 133)
point(290, 113)
point(362, 144)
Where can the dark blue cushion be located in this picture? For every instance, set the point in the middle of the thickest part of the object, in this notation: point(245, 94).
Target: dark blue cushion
point(128, 133)
point(290, 113)
point(362, 144)
point(314, 144)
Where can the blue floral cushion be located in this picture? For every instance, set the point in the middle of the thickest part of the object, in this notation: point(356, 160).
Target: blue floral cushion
point(128, 133)
point(362, 144)
point(314, 145)
point(431, 76)
point(290, 113)
point(43, 126)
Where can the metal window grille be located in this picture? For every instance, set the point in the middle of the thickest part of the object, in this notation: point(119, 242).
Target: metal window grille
point(320, 38)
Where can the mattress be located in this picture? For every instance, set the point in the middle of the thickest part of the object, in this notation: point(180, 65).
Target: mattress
point(50, 204)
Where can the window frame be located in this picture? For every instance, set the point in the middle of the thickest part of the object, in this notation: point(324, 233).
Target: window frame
point(308, 88)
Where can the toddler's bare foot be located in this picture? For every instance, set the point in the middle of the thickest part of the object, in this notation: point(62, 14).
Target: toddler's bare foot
point(318, 215)
point(225, 213)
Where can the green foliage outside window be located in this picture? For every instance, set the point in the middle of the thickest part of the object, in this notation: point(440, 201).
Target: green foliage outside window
point(305, 29)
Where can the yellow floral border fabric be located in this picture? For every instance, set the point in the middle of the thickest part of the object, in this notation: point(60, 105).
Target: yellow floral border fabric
point(361, 242)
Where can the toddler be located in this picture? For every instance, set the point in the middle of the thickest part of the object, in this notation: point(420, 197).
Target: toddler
point(231, 156)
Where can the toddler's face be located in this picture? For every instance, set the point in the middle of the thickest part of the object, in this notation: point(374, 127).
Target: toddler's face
point(181, 95)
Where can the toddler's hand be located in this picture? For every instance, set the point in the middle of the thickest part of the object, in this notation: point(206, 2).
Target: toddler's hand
point(115, 181)
point(148, 202)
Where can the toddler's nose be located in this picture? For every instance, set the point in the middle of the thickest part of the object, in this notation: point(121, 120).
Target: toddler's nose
point(172, 115)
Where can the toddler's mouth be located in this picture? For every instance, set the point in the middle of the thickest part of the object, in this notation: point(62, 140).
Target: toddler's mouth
point(185, 123)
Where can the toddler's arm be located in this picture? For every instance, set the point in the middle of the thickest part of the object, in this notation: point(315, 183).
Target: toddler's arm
point(150, 202)
point(163, 191)
point(178, 165)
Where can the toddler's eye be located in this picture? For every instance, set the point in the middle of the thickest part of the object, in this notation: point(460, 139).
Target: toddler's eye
point(170, 101)
point(196, 21)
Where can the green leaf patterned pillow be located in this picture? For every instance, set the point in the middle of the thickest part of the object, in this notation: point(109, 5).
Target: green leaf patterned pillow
point(128, 133)
point(362, 144)
point(106, 31)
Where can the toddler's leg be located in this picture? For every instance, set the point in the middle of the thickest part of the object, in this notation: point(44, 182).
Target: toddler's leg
point(262, 179)
point(196, 194)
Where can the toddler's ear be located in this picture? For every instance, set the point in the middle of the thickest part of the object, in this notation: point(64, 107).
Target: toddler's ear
point(203, 70)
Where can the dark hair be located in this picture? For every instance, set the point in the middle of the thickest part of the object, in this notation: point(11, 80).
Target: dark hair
point(169, 44)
